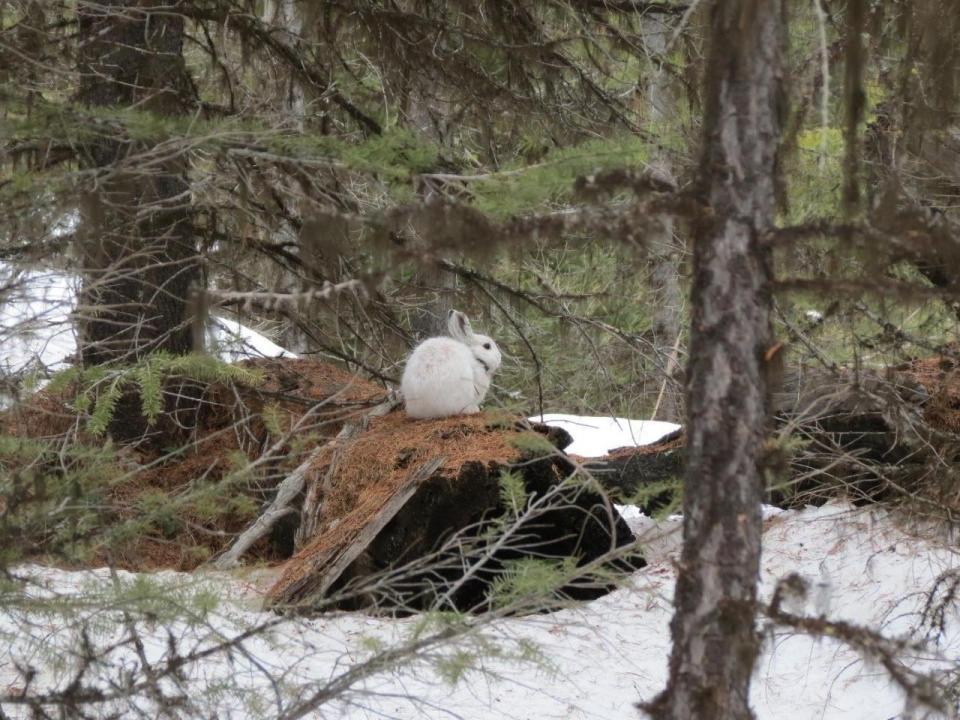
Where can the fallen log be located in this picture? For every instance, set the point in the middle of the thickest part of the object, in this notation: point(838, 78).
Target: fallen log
point(866, 436)
point(443, 514)
point(280, 507)
point(291, 488)
point(647, 476)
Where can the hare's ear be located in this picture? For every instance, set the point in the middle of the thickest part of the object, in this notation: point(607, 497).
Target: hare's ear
point(459, 326)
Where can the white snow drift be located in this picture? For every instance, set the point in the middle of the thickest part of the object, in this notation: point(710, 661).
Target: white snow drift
point(597, 436)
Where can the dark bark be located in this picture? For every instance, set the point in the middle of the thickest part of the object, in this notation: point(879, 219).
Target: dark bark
point(137, 246)
point(136, 243)
point(714, 641)
point(646, 476)
point(855, 102)
point(866, 437)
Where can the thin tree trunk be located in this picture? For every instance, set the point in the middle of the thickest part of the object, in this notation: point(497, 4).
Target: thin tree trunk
point(288, 17)
point(714, 640)
point(664, 249)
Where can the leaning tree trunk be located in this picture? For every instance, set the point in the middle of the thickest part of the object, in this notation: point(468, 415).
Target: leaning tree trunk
point(137, 246)
point(714, 641)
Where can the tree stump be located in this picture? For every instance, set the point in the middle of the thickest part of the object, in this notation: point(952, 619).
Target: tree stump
point(415, 515)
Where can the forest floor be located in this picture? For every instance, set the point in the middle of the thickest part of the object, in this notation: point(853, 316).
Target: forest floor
point(862, 565)
point(870, 566)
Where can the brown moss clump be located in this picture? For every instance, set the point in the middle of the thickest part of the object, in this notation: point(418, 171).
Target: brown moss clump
point(940, 377)
point(380, 459)
point(302, 378)
point(232, 428)
point(228, 429)
point(41, 416)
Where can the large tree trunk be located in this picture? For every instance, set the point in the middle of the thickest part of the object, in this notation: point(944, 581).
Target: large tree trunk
point(136, 241)
point(714, 641)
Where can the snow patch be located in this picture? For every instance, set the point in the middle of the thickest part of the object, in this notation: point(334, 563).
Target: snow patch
point(35, 326)
point(597, 436)
point(38, 333)
point(605, 656)
point(232, 341)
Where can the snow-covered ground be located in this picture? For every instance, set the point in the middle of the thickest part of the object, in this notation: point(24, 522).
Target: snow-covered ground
point(596, 661)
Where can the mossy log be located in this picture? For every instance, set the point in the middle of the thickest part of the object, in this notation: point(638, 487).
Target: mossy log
point(417, 515)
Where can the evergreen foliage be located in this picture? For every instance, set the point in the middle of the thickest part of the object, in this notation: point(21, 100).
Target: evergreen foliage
point(532, 581)
point(98, 389)
point(549, 183)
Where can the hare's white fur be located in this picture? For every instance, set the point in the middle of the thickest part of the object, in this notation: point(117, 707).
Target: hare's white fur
point(449, 375)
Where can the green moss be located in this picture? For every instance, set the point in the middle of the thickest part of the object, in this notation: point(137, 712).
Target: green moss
point(816, 176)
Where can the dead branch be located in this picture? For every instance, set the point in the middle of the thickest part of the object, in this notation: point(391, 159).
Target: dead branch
point(287, 492)
point(270, 301)
point(871, 645)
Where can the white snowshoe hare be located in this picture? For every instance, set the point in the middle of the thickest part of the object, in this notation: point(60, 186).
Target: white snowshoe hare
point(449, 375)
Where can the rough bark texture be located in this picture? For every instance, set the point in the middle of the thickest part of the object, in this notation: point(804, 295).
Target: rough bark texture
point(714, 642)
point(137, 246)
point(636, 474)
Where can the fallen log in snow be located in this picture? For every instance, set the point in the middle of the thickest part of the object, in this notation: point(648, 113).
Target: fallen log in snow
point(646, 476)
point(866, 436)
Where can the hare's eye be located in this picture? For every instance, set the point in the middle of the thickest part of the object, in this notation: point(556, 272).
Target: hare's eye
point(486, 346)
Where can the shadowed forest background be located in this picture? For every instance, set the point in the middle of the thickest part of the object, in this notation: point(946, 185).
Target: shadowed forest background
point(737, 216)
